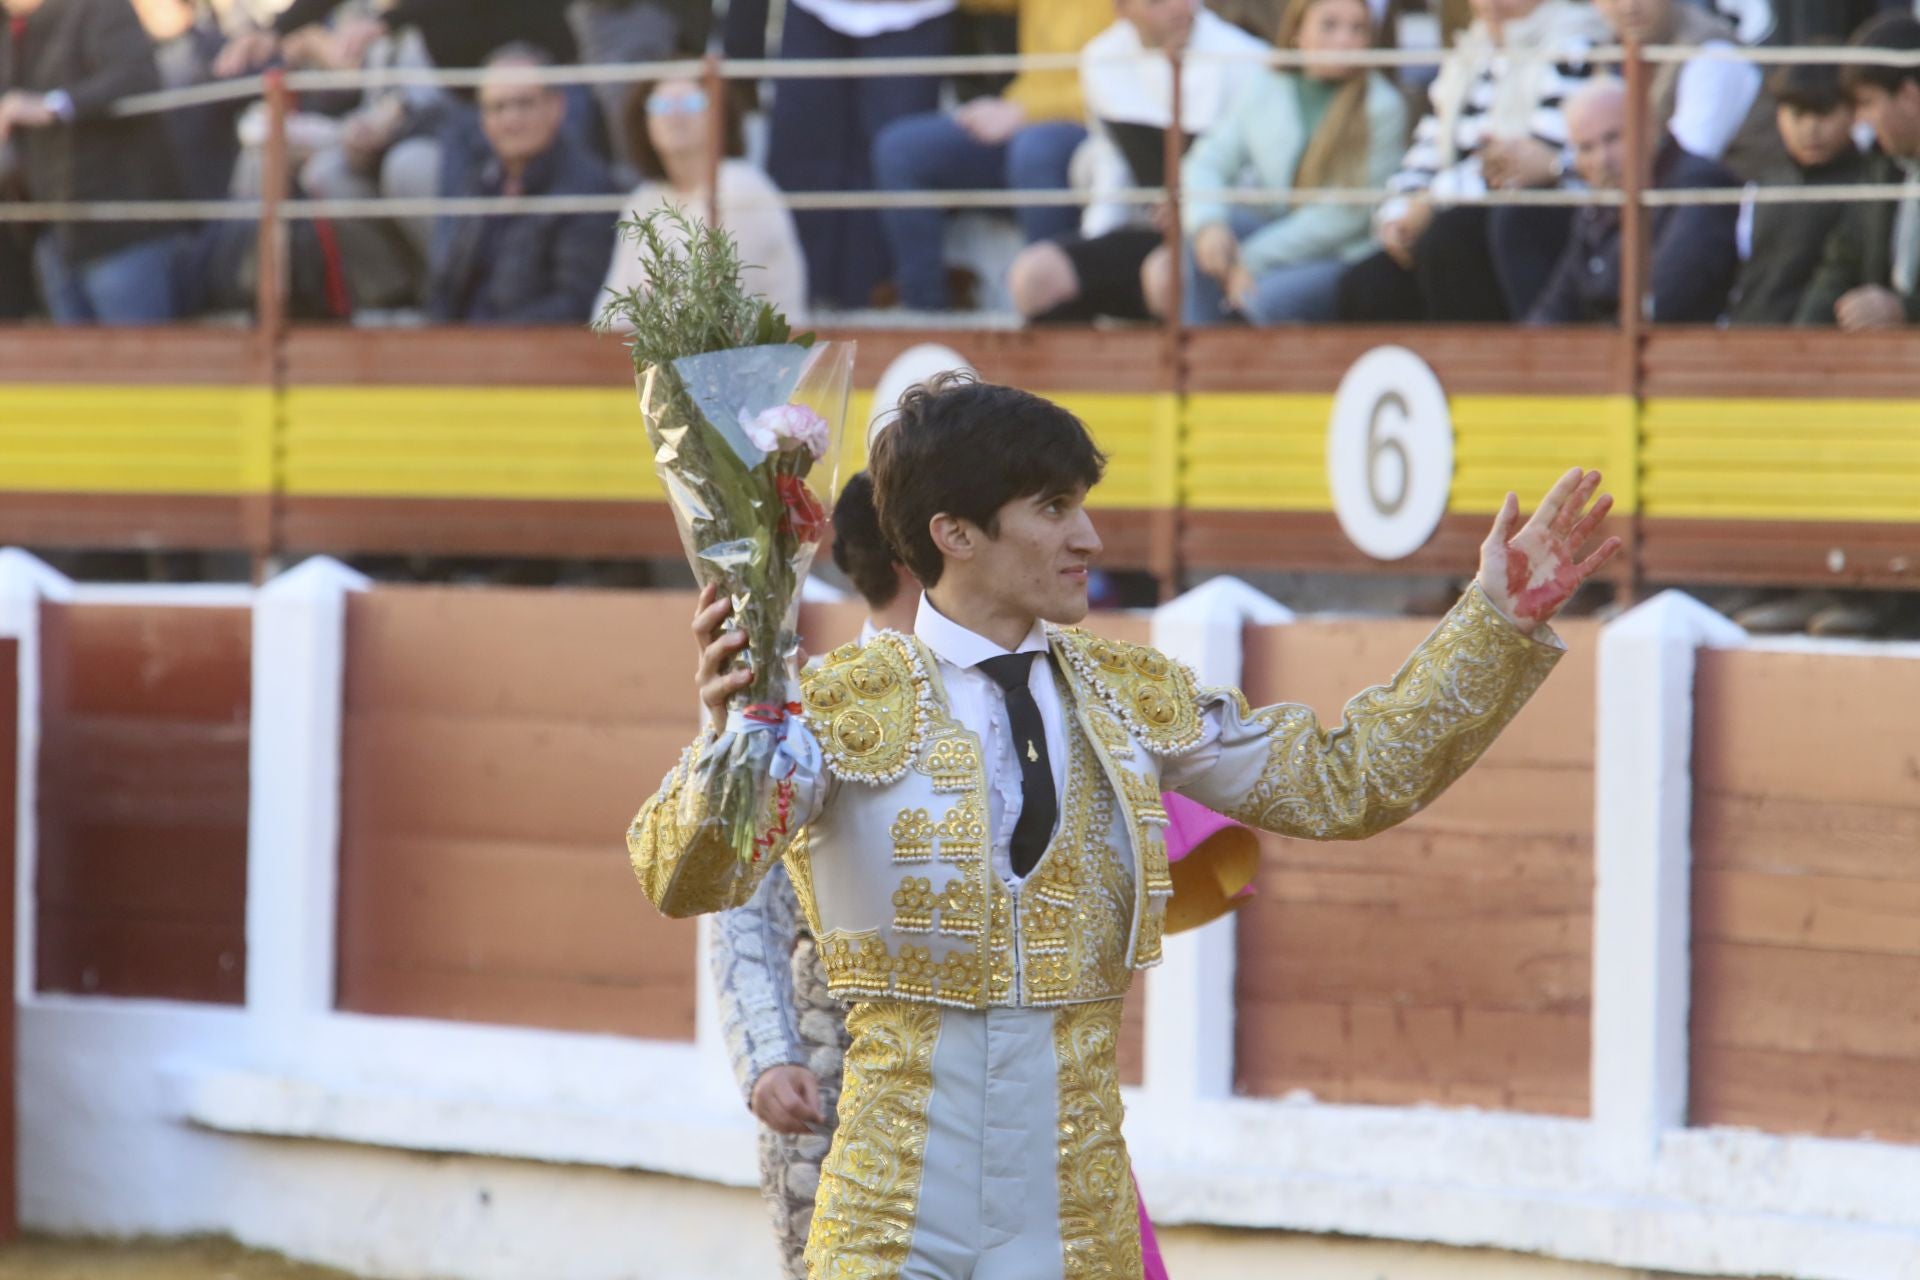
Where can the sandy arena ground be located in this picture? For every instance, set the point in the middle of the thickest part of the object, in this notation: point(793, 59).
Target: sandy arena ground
point(41, 1259)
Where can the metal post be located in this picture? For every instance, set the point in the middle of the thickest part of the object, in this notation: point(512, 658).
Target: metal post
point(1164, 547)
point(716, 88)
point(271, 295)
point(270, 306)
point(1634, 295)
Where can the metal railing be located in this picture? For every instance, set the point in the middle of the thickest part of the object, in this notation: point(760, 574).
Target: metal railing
point(277, 89)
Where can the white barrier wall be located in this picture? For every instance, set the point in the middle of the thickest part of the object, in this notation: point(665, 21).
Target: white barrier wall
point(409, 1148)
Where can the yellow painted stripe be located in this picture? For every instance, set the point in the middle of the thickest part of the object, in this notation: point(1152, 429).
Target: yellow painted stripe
point(160, 440)
point(1700, 458)
point(1782, 459)
point(452, 442)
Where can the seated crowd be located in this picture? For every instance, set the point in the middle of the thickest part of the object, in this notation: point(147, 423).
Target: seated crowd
point(1265, 156)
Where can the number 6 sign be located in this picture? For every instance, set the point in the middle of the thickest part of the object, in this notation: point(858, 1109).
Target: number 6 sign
point(1390, 453)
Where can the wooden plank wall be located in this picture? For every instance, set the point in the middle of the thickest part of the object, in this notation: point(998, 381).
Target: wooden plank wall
point(1806, 894)
point(9, 814)
point(142, 873)
point(495, 745)
point(1446, 961)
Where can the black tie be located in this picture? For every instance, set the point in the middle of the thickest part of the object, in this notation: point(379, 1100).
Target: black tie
point(1038, 807)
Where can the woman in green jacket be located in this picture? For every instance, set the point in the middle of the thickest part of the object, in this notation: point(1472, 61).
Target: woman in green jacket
point(1323, 126)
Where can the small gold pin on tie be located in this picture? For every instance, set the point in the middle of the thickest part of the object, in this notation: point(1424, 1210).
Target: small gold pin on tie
point(1031, 753)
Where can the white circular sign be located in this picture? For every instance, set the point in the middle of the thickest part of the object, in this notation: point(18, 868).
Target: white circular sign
point(1390, 453)
point(910, 368)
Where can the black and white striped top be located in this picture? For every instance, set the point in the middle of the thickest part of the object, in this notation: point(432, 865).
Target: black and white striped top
point(1486, 91)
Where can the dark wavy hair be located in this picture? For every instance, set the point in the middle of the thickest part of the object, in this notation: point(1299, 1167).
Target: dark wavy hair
point(860, 546)
point(1899, 32)
point(965, 448)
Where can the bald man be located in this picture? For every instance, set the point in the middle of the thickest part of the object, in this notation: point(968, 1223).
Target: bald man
point(1693, 257)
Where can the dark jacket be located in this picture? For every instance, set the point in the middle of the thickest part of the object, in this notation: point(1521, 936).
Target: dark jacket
point(1692, 261)
point(461, 33)
point(97, 52)
point(1859, 251)
point(543, 268)
point(1788, 240)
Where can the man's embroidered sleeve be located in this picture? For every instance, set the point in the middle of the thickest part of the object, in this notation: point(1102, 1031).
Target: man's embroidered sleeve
point(1400, 745)
point(685, 864)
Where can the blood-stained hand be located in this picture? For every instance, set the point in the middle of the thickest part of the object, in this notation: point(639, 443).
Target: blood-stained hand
point(1531, 573)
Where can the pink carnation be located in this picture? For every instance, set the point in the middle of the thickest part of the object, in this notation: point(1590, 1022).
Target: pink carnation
point(786, 427)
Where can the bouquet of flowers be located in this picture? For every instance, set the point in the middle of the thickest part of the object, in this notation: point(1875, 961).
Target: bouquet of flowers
point(744, 419)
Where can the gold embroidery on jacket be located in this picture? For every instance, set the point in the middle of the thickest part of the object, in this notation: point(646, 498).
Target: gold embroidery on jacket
point(1152, 695)
point(1099, 1215)
point(868, 706)
point(952, 762)
point(913, 904)
point(869, 1195)
point(800, 872)
point(1076, 907)
point(912, 837)
point(963, 832)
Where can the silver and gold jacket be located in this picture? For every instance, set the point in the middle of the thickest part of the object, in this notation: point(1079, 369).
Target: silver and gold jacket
point(891, 852)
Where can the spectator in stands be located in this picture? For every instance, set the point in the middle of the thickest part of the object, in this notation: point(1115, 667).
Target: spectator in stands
point(1782, 243)
point(822, 132)
point(1714, 107)
point(1495, 122)
point(667, 125)
point(187, 39)
point(386, 144)
point(532, 268)
point(625, 31)
point(1692, 252)
point(1803, 22)
point(1128, 91)
point(1868, 274)
point(457, 33)
point(63, 63)
point(1022, 140)
point(1323, 126)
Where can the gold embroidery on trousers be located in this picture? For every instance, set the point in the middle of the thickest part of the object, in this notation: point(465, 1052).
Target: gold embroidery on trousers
point(1099, 1215)
point(869, 1194)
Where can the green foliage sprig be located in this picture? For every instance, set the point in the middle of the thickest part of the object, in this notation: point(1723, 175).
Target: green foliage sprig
point(692, 298)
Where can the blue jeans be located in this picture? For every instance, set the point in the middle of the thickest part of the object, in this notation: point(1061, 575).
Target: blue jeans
point(933, 153)
point(1299, 293)
point(133, 286)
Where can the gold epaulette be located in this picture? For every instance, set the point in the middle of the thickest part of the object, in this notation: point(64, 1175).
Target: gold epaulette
point(1154, 696)
point(869, 706)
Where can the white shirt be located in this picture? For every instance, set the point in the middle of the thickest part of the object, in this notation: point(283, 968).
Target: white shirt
point(1711, 101)
point(1124, 82)
point(980, 707)
point(863, 18)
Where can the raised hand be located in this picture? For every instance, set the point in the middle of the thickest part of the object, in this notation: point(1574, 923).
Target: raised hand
point(1530, 574)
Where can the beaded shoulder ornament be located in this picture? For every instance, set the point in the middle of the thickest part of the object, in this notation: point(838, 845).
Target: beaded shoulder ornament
point(1154, 696)
point(869, 705)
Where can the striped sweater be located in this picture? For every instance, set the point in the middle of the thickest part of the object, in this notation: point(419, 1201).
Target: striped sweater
point(1507, 90)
